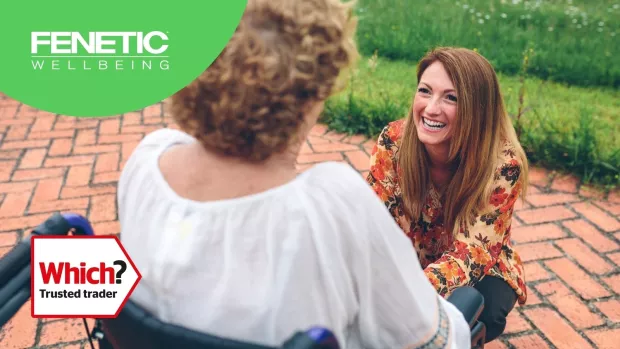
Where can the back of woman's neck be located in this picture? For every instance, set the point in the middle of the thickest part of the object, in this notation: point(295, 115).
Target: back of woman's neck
point(202, 175)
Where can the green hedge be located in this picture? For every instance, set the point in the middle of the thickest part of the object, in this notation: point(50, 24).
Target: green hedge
point(576, 43)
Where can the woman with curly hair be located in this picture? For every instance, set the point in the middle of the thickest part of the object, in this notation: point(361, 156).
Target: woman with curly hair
point(450, 174)
point(231, 241)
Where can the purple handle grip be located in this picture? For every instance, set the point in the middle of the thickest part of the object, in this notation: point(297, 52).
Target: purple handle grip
point(79, 223)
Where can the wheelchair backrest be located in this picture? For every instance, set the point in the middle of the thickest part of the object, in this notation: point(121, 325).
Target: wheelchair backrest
point(136, 328)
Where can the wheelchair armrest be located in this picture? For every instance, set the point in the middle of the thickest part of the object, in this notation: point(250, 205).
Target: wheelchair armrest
point(468, 301)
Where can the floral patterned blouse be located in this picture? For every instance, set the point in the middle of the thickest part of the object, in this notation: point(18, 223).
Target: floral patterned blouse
point(484, 248)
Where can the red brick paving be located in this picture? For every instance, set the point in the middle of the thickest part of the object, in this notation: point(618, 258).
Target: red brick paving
point(567, 234)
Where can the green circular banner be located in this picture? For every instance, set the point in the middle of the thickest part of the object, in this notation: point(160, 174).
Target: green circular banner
point(92, 59)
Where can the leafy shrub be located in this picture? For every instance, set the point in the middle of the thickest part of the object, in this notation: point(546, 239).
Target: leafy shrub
point(575, 42)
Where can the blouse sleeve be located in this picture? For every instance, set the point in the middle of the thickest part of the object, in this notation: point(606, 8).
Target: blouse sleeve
point(398, 306)
point(477, 247)
point(382, 172)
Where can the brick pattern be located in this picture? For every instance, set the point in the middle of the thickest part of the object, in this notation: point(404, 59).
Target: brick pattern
point(568, 235)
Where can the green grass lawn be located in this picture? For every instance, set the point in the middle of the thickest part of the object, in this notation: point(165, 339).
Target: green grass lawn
point(564, 127)
point(574, 41)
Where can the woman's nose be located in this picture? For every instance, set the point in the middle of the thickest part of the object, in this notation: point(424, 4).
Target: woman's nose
point(433, 107)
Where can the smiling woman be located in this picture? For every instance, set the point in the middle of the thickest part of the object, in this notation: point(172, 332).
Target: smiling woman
point(450, 174)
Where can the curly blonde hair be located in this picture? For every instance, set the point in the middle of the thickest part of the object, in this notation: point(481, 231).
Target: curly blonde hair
point(284, 55)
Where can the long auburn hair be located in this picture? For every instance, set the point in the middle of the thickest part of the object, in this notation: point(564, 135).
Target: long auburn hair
point(481, 126)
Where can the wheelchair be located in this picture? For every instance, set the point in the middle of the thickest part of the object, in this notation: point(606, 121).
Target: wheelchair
point(136, 328)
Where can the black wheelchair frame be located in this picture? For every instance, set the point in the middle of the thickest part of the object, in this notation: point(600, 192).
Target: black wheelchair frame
point(136, 328)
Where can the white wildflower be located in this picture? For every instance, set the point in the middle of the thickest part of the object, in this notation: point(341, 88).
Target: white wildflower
point(503, 15)
point(481, 21)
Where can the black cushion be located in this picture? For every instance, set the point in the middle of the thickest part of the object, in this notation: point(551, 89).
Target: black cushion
point(136, 328)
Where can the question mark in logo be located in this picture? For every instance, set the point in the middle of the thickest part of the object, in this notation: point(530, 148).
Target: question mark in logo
point(120, 271)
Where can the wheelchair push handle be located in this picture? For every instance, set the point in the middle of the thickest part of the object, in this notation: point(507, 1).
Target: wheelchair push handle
point(61, 224)
point(15, 265)
point(58, 224)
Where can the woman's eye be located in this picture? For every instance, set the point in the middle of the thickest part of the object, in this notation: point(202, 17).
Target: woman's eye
point(452, 98)
point(423, 90)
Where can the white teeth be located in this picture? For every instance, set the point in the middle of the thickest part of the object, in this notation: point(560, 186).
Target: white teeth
point(433, 124)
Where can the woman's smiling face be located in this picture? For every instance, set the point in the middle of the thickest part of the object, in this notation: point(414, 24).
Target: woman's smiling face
point(435, 106)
